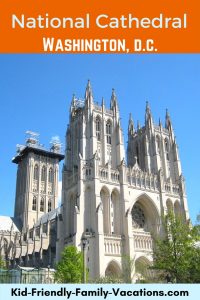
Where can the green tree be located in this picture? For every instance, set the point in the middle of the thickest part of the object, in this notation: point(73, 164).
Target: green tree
point(127, 269)
point(2, 263)
point(176, 256)
point(70, 268)
point(146, 274)
point(195, 258)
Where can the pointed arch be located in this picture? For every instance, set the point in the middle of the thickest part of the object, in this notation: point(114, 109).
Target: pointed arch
point(142, 269)
point(144, 207)
point(43, 173)
point(50, 177)
point(34, 203)
point(108, 131)
point(105, 189)
point(42, 204)
point(177, 209)
point(49, 205)
point(98, 128)
point(113, 269)
point(36, 172)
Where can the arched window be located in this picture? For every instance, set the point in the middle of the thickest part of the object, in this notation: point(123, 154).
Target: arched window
point(167, 149)
point(43, 174)
point(42, 204)
point(49, 205)
point(108, 132)
point(51, 175)
point(35, 173)
point(98, 129)
point(34, 204)
point(137, 154)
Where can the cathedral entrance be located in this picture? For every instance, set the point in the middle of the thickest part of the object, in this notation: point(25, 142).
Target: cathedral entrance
point(143, 273)
point(113, 270)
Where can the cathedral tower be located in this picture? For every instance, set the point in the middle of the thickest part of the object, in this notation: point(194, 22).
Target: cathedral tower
point(154, 147)
point(37, 180)
point(94, 152)
point(113, 205)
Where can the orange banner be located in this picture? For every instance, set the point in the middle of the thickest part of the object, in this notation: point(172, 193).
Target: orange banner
point(91, 26)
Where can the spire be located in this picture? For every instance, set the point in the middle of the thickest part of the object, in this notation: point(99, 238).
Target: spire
point(88, 92)
point(73, 103)
point(160, 124)
point(168, 124)
point(131, 124)
point(138, 125)
point(147, 112)
point(88, 99)
point(148, 117)
point(113, 101)
point(147, 107)
point(103, 105)
point(167, 118)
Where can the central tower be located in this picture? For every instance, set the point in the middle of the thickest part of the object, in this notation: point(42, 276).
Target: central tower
point(94, 153)
point(115, 205)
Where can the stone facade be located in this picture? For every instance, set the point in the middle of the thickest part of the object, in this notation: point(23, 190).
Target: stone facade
point(116, 205)
point(111, 201)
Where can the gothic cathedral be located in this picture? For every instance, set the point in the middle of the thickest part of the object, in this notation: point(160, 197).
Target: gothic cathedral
point(112, 203)
point(116, 202)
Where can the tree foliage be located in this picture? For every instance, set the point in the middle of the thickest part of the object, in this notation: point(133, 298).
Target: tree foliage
point(145, 273)
point(2, 263)
point(70, 268)
point(176, 255)
point(127, 269)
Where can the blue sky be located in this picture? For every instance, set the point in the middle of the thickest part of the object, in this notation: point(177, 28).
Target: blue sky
point(36, 90)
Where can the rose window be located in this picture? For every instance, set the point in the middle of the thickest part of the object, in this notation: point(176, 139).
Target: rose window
point(138, 217)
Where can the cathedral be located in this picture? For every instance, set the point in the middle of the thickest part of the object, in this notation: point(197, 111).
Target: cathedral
point(112, 202)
